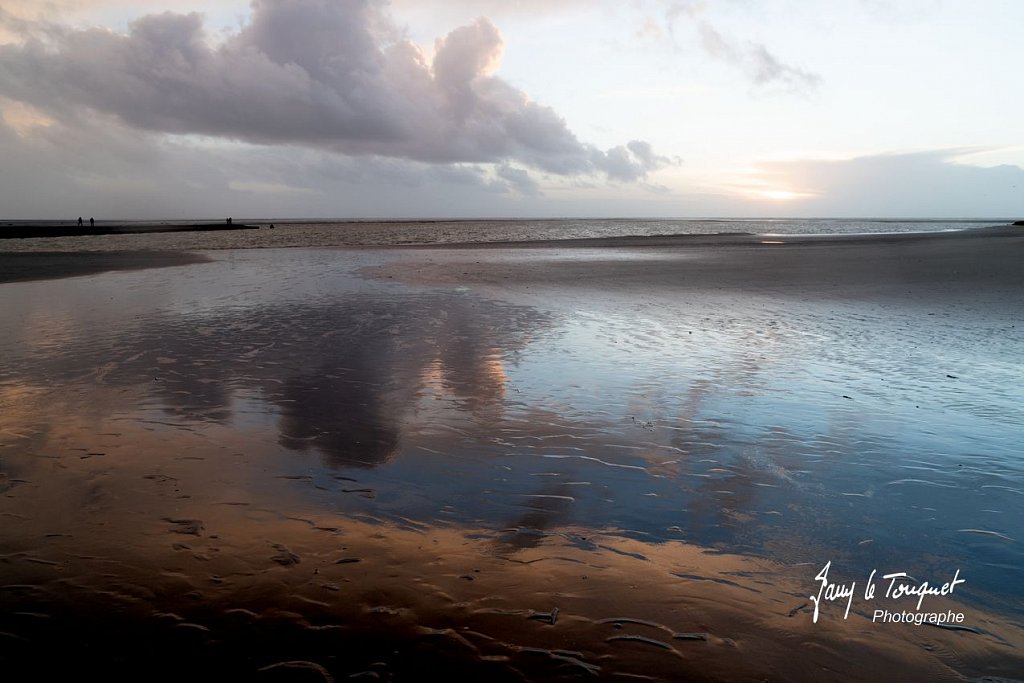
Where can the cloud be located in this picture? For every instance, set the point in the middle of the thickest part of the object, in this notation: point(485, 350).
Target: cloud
point(328, 74)
point(98, 166)
point(631, 162)
point(755, 60)
point(932, 183)
point(528, 8)
point(518, 179)
point(760, 65)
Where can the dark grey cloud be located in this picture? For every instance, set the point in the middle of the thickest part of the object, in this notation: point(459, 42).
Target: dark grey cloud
point(98, 166)
point(330, 74)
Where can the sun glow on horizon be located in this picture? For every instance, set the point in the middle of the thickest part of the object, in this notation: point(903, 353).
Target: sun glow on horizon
point(781, 195)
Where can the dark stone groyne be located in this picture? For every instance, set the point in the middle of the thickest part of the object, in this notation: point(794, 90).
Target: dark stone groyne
point(23, 231)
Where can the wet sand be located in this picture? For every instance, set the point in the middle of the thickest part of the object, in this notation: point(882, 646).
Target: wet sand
point(931, 264)
point(512, 463)
point(19, 267)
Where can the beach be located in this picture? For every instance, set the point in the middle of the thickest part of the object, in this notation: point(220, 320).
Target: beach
point(538, 460)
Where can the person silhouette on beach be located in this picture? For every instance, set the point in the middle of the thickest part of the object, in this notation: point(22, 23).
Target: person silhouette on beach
point(92, 223)
point(79, 221)
point(229, 220)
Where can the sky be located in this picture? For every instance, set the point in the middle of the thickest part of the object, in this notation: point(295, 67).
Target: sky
point(181, 109)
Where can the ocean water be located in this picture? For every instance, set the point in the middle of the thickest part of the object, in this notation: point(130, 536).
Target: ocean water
point(294, 233)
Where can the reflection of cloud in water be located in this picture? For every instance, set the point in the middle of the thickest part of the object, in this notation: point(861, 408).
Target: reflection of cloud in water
point(341, 375)
point(340, 408)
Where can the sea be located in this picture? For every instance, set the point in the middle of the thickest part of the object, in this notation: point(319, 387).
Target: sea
point(340, 233)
